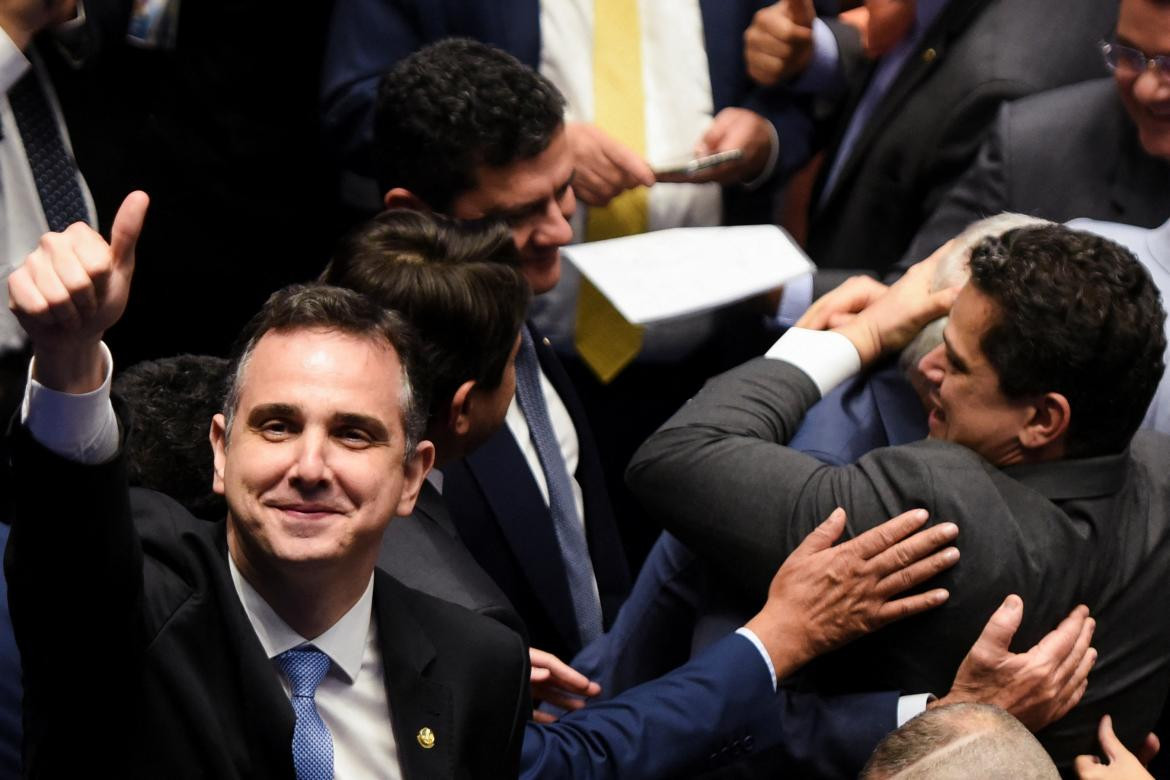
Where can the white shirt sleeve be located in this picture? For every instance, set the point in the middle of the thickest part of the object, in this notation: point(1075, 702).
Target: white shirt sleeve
point(82, 428)
point(827, 358)
point(750, 635)
point(912, 706)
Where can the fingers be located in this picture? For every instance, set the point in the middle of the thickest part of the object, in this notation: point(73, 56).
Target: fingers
point(889, 533)
point(604, 167)
point(914, 549)
point(903, 577)
point(851, 296)
point(557, 698)
point(1061, 640)
point(634, 171)
point(128, 227)
point(1089, 768)
point(824, 535)
point(561, 675)
point(911, 605)
point(1075, 655)
point(1110, 744)
point(1149, 749)
point(1002, 626)
point(543, 717)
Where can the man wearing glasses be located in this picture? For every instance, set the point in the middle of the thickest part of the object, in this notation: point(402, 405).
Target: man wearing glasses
point(1100, 149)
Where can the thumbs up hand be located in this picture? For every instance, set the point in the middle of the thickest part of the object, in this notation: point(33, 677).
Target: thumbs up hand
point(71, 289)
point(779, 44)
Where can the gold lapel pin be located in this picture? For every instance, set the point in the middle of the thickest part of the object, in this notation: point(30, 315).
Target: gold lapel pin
point(426, 738)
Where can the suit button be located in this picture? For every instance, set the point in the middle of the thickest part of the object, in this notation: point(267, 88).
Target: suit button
point(547, 343)
point(929, 55)
point(749, 742)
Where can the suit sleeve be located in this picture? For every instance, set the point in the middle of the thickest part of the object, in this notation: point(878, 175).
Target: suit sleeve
point(720, 476)
point(653, 730)
point(366, 38)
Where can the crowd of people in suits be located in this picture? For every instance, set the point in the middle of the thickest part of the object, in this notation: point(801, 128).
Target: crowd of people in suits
point(324, 462)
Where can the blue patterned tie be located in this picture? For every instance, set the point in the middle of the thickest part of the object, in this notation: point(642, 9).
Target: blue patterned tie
point(569, 531)
point(53, 169)
point(312, 744)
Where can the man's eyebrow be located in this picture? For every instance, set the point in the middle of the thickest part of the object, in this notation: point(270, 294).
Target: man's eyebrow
point(953, 356)
point(524, 209)
point(267, 411)
point(369, 424)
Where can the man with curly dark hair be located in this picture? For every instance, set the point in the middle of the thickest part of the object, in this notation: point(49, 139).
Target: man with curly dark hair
point(1051, 355)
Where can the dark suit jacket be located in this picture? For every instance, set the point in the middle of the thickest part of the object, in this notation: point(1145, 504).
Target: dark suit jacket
point(927, 129)
point(367, 37)
point(140, 661)
point(1071, 152)
point(424, 552)
point(1094, 531)
point(504, 521)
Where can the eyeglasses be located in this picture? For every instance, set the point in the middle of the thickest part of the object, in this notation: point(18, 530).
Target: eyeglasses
point(1130, 61)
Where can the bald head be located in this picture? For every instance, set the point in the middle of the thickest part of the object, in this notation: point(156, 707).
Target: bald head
point(960, 742)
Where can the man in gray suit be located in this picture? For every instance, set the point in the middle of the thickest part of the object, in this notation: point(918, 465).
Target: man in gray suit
point(1052, 353)
point(1100, 149)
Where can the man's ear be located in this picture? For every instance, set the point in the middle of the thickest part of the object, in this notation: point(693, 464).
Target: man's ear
point(459, 411)
point(400, 198)
point(414, 471)
point(1051, 415)
point(218, 438)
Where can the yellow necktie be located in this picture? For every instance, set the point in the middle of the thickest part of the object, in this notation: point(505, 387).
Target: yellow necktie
point(606, 341)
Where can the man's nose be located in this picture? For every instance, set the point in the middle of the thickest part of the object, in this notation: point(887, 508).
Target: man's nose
point(311, 465)
point(931, 365)
point(1151, 85)
point(554, 228)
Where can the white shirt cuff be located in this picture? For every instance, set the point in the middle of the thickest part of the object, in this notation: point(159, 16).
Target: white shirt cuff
point(912, 706)
point(827, 358)
point(13, 63)
point(82, 428)
point(770, 165)
point(795, 299)
point(750, 635)
point(823, 71)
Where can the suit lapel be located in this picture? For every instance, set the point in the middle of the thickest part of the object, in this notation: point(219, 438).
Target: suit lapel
point(526, 524)
point(420, 709)
point(431, 504)
point(264, 701)
point(950, 23)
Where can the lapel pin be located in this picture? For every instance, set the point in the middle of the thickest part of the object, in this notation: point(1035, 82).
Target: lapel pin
point(426, 738)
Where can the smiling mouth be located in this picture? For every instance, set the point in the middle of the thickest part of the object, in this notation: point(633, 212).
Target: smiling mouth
point(307, 511)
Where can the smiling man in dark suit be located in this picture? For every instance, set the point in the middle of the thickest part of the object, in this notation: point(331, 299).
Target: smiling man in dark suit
point(195, 626)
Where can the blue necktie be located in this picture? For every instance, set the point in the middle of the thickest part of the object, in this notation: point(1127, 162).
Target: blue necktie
point(53, 169)
point(312, 744)
point(569, 531)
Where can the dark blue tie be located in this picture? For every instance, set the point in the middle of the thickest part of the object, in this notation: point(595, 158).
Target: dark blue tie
point(569, 531)
point(53, 169)
point(312, 744)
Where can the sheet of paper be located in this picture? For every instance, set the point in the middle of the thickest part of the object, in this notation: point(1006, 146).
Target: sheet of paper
point(670, 273)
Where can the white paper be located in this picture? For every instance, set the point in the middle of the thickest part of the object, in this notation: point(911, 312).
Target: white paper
point(670, 273)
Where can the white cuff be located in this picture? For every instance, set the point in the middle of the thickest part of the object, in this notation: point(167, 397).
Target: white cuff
point(770, 165)
point(912, 706)
point(82, 428)
point(827, 357)
point(750, 635)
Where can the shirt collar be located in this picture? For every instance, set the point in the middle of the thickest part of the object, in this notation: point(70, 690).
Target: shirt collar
point(344, 642)
point(1158, 244)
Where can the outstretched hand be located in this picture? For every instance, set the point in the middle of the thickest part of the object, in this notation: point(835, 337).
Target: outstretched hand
point(71, 289)
point(1122, 765)
point(824, 595)
point(557, 683)
point(1037, 687)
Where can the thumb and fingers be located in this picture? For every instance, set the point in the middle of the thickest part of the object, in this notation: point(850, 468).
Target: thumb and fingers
point(557, 673)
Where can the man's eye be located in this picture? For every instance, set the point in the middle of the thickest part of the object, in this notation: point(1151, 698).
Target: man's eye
point(355, 437)
point(275, 429)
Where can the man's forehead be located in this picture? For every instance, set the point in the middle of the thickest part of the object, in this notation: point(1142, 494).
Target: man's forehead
point(287, 362)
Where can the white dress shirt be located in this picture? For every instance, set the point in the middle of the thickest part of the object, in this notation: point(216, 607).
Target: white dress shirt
point(679, 108)
point(23, 222)
point(352, 698)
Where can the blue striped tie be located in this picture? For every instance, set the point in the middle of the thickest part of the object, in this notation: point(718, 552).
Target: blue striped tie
point(569, 530)
point(312, 744)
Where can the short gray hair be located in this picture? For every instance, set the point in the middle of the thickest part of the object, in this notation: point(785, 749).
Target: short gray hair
point(324, 307)
point(953, 270)
point(960, 742)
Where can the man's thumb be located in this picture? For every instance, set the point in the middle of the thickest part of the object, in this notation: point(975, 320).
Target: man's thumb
point(801, 12)
point(128, 226)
